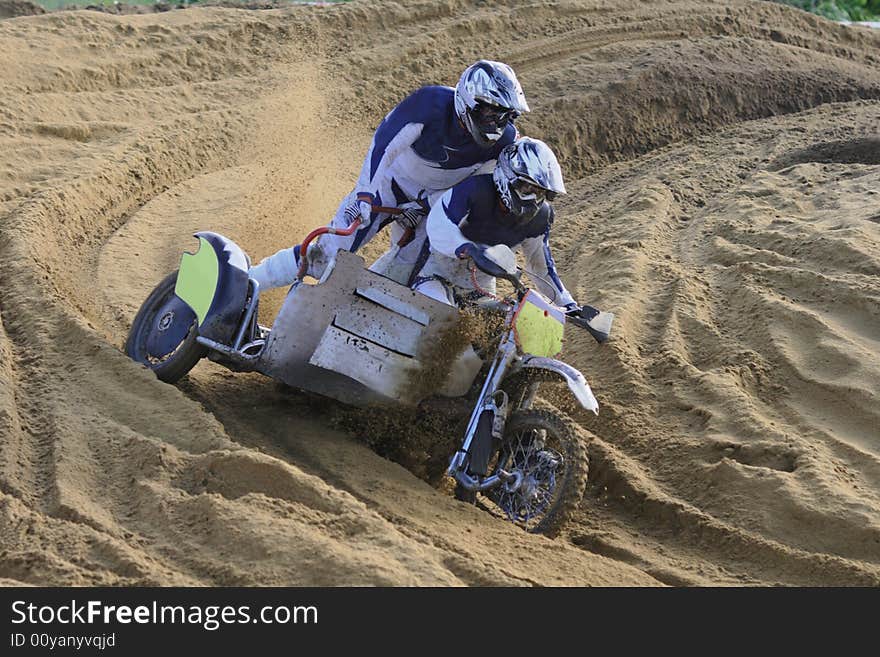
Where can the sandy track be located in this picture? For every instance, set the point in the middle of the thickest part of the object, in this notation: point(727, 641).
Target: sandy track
point(724, 186)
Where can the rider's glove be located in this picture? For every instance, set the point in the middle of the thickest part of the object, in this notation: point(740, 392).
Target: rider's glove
point(481, 260)
point(413, 213)
point(573, 309)
point(467, 250)
point(362, 208)
point(598, 323)
point(411, 217)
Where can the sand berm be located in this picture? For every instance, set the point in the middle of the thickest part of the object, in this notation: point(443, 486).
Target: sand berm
point(723, 168)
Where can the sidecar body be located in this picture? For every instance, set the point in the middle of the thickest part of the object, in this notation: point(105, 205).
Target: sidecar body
point(354, 336)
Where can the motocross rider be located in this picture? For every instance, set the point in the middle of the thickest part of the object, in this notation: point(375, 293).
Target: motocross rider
point(485, 213)
point(433, 139)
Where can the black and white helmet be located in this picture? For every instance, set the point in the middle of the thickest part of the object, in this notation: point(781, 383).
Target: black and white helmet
point(526, 174)
point(487, 98)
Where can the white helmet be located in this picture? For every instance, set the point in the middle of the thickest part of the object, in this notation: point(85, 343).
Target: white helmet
point(488, 97)
point(526, 173)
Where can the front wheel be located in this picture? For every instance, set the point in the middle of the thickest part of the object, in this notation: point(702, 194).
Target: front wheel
point(551, 464)
point(163, 334)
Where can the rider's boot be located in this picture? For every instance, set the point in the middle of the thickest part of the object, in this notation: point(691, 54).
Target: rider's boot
point(277, 270)
point(282, 268)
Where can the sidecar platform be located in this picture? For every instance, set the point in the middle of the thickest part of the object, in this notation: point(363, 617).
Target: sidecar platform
point(363, 339)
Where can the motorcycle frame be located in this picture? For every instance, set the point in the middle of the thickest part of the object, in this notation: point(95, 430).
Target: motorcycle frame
point(506, 354)
point(509, 359)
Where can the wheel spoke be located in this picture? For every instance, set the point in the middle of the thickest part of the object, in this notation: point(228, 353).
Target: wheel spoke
point(540, 448)
point(522, 455)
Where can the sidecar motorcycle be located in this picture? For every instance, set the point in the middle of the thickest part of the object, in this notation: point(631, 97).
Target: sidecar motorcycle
point(362, 339)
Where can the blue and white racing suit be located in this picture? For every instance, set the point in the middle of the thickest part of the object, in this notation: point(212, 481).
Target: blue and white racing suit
point(472, 212)
point(419, 151)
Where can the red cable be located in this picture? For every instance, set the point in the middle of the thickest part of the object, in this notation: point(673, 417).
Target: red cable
point(473, 269)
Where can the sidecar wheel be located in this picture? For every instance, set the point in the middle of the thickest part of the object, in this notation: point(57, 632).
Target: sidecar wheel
point(163, 334)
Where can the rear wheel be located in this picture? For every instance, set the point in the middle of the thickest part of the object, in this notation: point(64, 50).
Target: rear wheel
point(551, 465)
point(163, 334)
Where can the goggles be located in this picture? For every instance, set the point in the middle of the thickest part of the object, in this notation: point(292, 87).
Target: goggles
point(493, 115)
point(528, 191)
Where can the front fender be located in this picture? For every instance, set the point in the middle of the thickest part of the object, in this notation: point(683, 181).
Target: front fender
point(575, 380)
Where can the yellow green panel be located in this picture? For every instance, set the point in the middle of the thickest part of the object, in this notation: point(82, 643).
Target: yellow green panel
point(539, 326)
point(197, 279)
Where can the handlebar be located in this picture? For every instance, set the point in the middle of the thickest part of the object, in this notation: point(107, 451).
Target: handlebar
point(514, 279)
point(303, 249)
point(579, 321)
point(352, 227)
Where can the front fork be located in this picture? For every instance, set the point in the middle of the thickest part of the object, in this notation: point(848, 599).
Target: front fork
point(489, 414)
